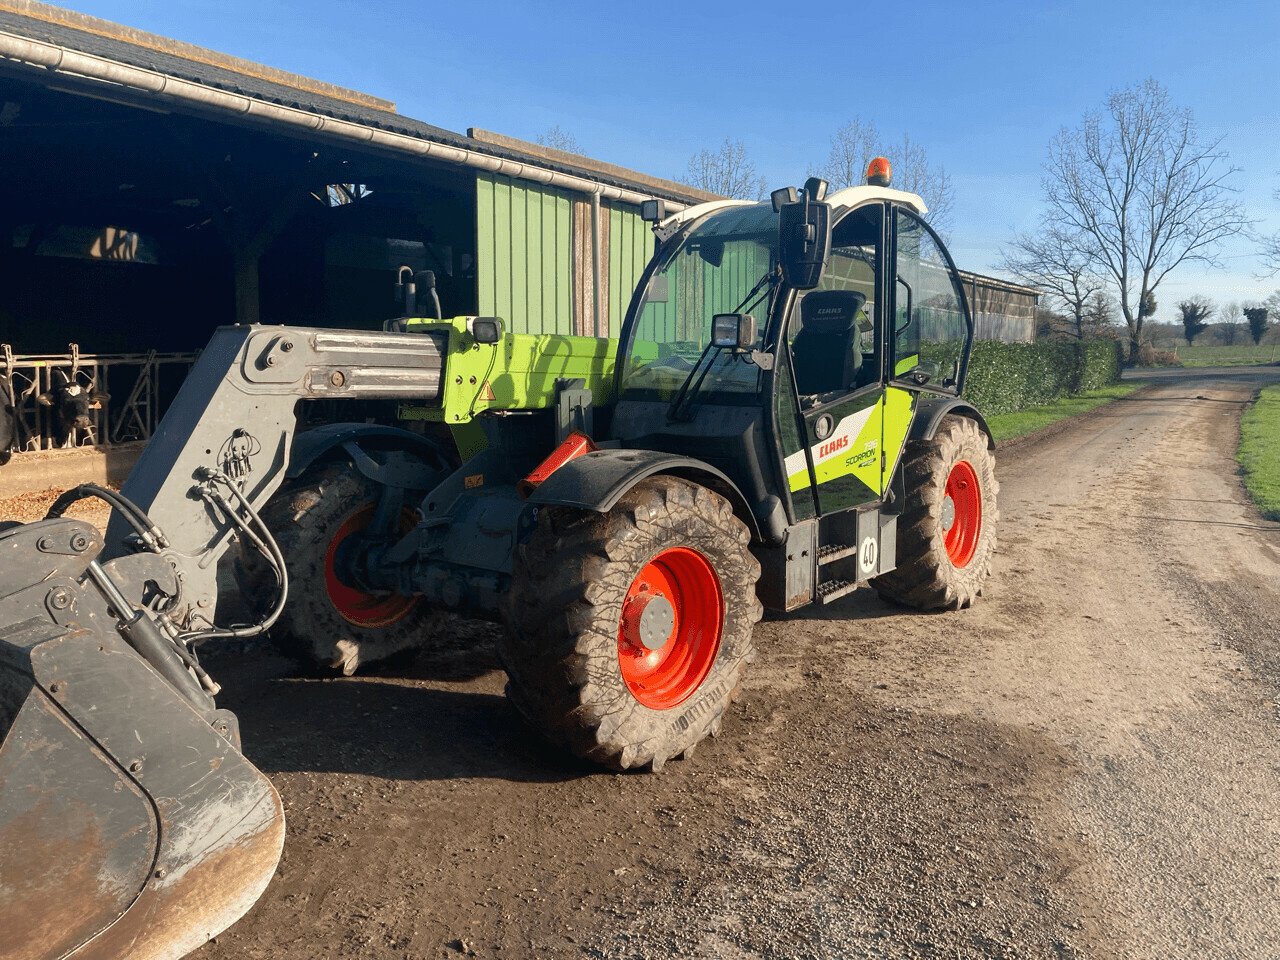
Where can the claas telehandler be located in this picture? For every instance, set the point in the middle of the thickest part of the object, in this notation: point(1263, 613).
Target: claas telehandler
point(779, 423)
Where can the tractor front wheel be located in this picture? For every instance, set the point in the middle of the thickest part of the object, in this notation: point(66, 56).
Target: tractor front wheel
point(947, 531)
point(630, 631)
point(329, 625)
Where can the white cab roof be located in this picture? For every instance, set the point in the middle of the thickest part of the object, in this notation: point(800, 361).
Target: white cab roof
point(840, 200)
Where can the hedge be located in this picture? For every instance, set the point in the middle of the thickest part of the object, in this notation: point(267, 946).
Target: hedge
point(1007, 377)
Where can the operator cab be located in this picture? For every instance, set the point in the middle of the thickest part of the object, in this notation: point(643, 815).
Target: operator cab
point(857, 311)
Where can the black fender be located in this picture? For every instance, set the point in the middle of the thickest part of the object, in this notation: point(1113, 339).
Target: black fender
point(597, 480)
point(931, 409)
point(354, 441)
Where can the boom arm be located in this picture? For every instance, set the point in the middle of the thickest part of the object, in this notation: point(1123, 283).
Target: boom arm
point(235, 418)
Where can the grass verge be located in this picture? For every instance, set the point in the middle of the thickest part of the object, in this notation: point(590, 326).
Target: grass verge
point(1007, 426)
point(1237, 356)
point(1259, 454)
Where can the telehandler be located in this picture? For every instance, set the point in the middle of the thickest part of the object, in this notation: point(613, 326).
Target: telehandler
point(780, 422)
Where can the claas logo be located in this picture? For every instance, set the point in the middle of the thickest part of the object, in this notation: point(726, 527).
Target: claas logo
point(832, 446)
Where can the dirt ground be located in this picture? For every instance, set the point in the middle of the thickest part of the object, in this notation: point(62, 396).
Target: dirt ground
point(1086, 764)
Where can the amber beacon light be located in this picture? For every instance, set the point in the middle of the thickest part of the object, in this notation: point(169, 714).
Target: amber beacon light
point(879, 173)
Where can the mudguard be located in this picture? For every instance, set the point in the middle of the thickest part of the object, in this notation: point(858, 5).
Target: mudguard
point(931, 409)
point(316, 444)
point(597, 480)
point(130, 823)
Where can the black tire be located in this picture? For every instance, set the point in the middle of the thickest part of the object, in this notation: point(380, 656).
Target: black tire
point(305, 517)
point(562, 648)
point(926, 577)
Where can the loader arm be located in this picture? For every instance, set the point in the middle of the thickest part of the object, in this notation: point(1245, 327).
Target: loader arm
point(130, 823)
point(236, 414)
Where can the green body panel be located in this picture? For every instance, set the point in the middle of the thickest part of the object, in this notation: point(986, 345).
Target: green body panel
point(524, 254)
point(517, 373)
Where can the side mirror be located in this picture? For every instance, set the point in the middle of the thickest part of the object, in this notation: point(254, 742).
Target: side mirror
point(804, 241)
point(733, 331)
point(486, 330)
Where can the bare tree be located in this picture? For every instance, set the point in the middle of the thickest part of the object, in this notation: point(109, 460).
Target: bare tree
point(1229, 324)
point(1101, 312)
point(852, 147)
point(1056, 264)
point(1270, 249)
point(1272, 303)
point(913, 172)
point(1196, 312)
point(559, 139)
point(856, 142)
point(727, 171)
point(1147, 190)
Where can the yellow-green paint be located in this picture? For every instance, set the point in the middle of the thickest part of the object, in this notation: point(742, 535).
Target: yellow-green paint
point(799, 480)
point(524, 254)
point(517, 373)
point(873, 454)
point(899, 409)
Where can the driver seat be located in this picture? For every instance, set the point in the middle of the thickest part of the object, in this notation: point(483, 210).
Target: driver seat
point(826, 353)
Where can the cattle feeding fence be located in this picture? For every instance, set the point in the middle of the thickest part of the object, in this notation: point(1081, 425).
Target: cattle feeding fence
point(131, 390)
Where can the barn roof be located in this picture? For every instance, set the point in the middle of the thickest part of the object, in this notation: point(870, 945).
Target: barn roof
point(117, 44)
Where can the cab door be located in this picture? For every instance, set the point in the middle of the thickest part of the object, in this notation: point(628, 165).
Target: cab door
point(932, 329)
point(836, 352)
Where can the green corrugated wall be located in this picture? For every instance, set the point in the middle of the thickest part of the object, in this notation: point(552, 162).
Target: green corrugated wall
point(630, 247)
point(524, 254)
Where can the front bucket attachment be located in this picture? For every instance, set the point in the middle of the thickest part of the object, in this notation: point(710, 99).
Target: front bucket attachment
point(130, 824)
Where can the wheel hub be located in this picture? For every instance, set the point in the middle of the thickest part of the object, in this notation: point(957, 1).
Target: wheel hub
point(948, 513)
point(649, 621)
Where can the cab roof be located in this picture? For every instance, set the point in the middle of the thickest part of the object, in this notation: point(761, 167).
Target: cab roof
point(841, 202)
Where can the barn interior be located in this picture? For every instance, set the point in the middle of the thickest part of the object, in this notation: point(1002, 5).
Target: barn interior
point(131, 228)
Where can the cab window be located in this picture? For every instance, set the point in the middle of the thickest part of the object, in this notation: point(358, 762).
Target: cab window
point(930, 324)
point(834, 333)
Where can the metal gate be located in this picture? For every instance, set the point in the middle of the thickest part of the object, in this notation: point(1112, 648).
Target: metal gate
point(136, 389)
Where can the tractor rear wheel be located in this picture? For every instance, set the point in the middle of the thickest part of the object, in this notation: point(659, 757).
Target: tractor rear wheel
point(328, 625)
point(630, 631)
point(947, 531)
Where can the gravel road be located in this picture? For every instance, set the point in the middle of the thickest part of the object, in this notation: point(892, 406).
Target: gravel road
point(1086, 764)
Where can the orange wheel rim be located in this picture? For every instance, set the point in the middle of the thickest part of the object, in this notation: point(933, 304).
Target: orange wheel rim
point(962, 513)
point(670, 627)
point(357, 607)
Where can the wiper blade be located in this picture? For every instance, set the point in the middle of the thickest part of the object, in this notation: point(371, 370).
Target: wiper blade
point(679, 408)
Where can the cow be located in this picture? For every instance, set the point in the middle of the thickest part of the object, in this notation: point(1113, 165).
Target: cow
point(8, 422)
point(71, 402)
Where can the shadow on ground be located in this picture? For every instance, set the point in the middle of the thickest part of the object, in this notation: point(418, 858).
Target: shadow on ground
point(438, 715)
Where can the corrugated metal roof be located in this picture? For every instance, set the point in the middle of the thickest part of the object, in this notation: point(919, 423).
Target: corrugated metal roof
point(997, 283)
point(36, 21)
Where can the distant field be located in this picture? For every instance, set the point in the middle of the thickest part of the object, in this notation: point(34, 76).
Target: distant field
point(1006, 426)
point(1260, 452)
point(1228, 356)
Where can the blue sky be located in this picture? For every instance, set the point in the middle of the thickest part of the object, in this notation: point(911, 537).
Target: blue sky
point(984, 86)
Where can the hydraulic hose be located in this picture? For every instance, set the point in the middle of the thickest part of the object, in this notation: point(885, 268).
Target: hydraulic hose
point(265, 543)
point(132, 513)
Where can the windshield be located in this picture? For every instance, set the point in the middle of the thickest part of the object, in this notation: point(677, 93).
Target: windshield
point(713, 270)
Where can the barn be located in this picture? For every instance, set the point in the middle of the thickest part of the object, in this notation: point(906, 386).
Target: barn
point(159, 190)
